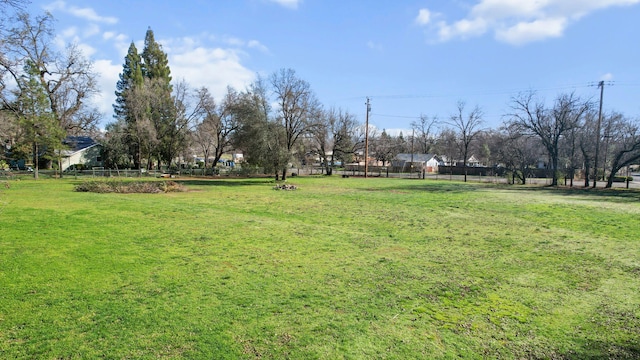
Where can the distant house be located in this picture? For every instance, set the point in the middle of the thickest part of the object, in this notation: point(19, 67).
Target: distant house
point(473, 161)
point(416, 162)
point(81, 150)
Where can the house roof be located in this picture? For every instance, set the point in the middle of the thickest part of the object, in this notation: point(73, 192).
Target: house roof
point(416, 157)
point(77, 143)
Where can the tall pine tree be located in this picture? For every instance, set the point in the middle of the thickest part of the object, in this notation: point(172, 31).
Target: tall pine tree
point(170, 137)
point(145, 107)
point(130, 78)
point(156, 64)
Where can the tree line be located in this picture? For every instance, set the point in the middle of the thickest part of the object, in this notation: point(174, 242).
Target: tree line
point(44, 92)
point(275, 121)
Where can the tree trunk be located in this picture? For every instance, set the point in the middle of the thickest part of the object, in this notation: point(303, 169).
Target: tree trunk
point(35, 160)
point(571, 180)
point(587, 169)
point(554, 169)
point(610, 181)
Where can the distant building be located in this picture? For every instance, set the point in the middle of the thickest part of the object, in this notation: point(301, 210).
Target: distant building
point(81, 150)
point(416, 162)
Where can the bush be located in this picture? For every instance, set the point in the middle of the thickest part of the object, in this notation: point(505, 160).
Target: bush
point(130, 187)
point(622, 178)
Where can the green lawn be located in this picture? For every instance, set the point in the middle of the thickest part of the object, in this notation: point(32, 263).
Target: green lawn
point(339, 269)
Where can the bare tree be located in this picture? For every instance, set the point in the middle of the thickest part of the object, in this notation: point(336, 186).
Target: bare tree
point(7, 7)
point(424, 133)
point(188, 108)
point(345, 136)
point(517, 152)
point(215, 131)
point(467, 127)
point(625, 135)
point(27, 51)
point(385, 147)
point(67, 77)
point(333, 137)
point(531, 116)
point(205, 127)
point(298, 109)
point(321, 140)
point(18, 4)
point(570, 154)
point(586, 145)
point(446, 145)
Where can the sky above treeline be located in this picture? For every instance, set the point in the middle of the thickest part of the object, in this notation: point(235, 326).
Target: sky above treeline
point(411, 58)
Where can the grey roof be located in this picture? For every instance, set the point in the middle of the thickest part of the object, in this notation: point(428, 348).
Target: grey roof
point(416, 157)
point(77, 143)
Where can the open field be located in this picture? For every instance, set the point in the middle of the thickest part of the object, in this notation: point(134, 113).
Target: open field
point(339, 269)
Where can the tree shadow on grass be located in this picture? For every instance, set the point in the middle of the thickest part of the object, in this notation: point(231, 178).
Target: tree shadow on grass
point(596, 350)
point(225, 182)
point(439, 187)
point(616, 194)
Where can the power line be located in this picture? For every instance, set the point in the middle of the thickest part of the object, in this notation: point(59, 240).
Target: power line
point(488, 92)
point(397, 116)
point(497, 117)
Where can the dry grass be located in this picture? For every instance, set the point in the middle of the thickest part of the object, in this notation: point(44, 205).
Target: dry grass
point(130, 187)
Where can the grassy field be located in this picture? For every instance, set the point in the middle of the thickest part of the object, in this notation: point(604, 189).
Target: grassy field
point(339, 269)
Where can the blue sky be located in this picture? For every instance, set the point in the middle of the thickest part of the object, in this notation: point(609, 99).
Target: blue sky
point(410, 57)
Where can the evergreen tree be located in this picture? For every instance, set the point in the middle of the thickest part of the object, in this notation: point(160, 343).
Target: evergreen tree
point(155, 63)
point(131, 76)
point(170, 138)
point(42, 134)
point(130, 79)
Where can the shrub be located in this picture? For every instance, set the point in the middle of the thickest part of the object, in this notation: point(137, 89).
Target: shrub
point(622, 178)
point(130, 187)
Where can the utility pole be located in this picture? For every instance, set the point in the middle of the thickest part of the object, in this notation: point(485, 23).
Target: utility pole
point(413, 134)
point(595, 164)
point(366, 140)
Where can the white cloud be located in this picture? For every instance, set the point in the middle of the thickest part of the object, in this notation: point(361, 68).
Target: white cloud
point(91, 30)
point(464, 28)
point(108, 35)
point(108, 75)
point(424, 17)
point(517, 21)
point(607, 77)
point(255, 44)
point(291, 4)
point(69, 32)
point(84, 13)
point(86, 49)
point(525, 32)
point(205, 60)
point(214, 68)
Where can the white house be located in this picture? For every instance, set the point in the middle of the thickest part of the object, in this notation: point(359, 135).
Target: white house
point(82, 150)
point(421, 162)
